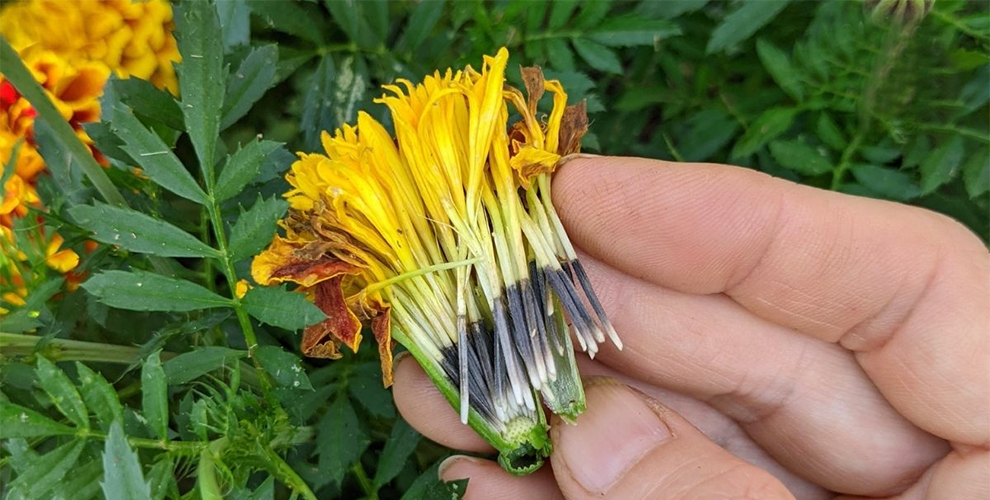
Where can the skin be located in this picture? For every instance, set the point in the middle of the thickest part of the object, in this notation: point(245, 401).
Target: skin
point(780, 341)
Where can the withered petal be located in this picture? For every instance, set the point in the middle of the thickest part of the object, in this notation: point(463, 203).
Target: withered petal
point(533, 80)
point(341, 326)
point(573, 126)
point(381, 325)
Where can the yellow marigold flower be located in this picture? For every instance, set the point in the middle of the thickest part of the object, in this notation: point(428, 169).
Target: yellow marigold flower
point(131, 38)
point(61, 260)
point(445, 239)
point(241, 288)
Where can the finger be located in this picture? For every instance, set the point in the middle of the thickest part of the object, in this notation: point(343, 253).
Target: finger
point(716, 426)
point(964, 473)
point(488, 481)
point(805, 401)
point(905, 286)
point(422, 405)
point(627, 445)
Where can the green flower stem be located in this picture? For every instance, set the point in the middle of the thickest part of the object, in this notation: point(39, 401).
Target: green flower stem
point(286, 474)
point(21, 78)
point(13, 344)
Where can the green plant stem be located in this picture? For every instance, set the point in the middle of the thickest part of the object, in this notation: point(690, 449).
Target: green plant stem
point(286, 474)
point(24, 82)
point(370, 492)
point(181, 447)
point(68, 350)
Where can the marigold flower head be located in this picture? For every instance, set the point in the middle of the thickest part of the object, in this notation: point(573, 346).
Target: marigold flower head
point(445, 239)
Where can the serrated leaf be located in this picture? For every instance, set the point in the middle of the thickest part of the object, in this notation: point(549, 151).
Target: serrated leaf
point(828, 131)
point(333, 97)
point(559, 54)
point(347, 14)
point(890, 183)
point(191, 365)
point(253, 78)
point(401, 444)
point(631, 30)
point(942, 164)
point(138, 232)
point(429, 486)
point(278, 307)
point(122, 476)
point(161, 478)
point(284, 367)
point(560, 13)
point(154, 156)
point(340, 440)
point(768, 126)
point(423, 19)
point(201, 77)
point(707, 132)
point(291, 18)
point(366, 387)
point(235, 22)
point(740, 24)
point(669, 10)
point(597, 55)
point(148, 102)
point(46, 472)
point(65, 171)
point(144, 291)
point(62, 392)
point(154, 395)
point(242, 167)
point(778, 64)
point(256, 227)
point(591, 13)
point(19, 422)
point(800, 157)
point(99, 396)
point(976, 173)
point(83, 482)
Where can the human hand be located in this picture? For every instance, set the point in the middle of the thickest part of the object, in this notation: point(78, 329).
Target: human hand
point(780, 340)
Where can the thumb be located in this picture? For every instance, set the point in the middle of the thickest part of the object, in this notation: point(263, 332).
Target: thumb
point(627, 445)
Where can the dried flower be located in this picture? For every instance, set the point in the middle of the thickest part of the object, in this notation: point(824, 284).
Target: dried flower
point(445, 239)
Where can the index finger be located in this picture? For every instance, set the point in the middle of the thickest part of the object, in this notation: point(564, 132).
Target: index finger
point(905, 288)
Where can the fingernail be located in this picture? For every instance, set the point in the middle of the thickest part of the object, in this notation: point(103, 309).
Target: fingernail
point(451, 461)
point(617, 430)
point(399, 357)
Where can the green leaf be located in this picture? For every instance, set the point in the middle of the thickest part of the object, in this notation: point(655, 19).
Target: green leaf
point(200, 361)
point(632, 30)
point(669, 10)
point(201, 77)
point(591, 13)
point(161, 478)
point(707, 132)
point(29, 316)
point(243, 167)
point(347, 14)
point(46, 472)
point(291, 18)
point(559, 54)
point(235, 22)
point(154, 156)
point(65, 171)
point(778, 64)
point(122, 477)
point(255, 228)
point(768, 126)
point(892, 184)
point(278, 307)
point(560, 12)
point(429, 485)
point(144, 291)
point(597, 55)
point(800, 157)
point(253, 78)
point(62, 392)
point(284, 367)
point(743, 22)
point(423, 19)
point(340, 440)
point(367, 388)
point(333, 97)
point(976, 173)
point(399, 447)
point(138, 232)
point(83, 482)
point(148, 102)
point(99, 396)
point(830, 133)
point(19, 422)
point(154, 395)
point(941, 165)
